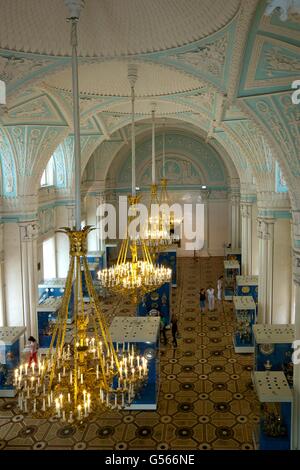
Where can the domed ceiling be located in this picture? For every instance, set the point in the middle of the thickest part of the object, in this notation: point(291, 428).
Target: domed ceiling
point(111, 28)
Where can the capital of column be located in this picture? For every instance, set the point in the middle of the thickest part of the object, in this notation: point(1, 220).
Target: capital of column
point(296, 267)
point(265, 228)
point(246, 210)
point(29, 231)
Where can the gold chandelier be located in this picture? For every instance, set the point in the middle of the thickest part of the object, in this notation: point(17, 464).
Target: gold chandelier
point(157, 234)
point(134, 274)
point(78, 379)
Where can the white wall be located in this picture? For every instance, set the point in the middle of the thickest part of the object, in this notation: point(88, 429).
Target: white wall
point(12, 270)
point(62, 242)
point(218, 226)
point(254, 241)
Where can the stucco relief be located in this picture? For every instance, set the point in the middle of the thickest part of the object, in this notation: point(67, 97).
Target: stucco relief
point(7, 167)
point(209, 57)
point(46, 220)
point(15, 68)
point(29, 231)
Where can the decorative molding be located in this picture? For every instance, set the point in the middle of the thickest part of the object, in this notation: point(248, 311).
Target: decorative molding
point(29, 231)
point(209, 57)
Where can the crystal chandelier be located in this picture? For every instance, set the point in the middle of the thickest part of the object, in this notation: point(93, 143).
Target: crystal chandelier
point(77, 379)
point(134, 274)
point(168, 220)
point(156, 234)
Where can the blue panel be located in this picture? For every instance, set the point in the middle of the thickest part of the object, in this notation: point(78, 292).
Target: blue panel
point(267, 442)
point(11, 353)
point(158, 300)
point(248, 290)
point(45, 332)
point(280, 358)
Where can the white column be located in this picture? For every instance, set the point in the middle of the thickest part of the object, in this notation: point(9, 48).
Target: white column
point(28, 242)
point(265, 280)
point(204, 253)
point(296, 404)
point(246, 245)
point(235, 220)
point(100, 199)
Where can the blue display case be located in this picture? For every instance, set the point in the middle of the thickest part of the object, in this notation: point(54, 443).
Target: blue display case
point(47, 312)
point(273, 348)
point(247, 285)
point(231, 270)
point(157, 303)
point(275, 426)
point(245, 313)
point(9, 357)
point(168, 258)
point(51, 292)
point(110, 254)
point(143, 333)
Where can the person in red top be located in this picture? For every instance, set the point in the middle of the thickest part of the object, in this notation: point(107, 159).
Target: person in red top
point(33, 350)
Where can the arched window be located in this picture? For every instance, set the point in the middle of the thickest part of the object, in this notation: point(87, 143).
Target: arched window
point(47, 178)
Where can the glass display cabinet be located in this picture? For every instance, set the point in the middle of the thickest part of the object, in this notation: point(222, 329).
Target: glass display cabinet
point(231, 270)
point(275, 426)
point(51, 292)
point(143, 334)
point(10, 353)
point(245, 313)
point(233, 254)
point(247, 285)
point(157, 303)
point(273, 348)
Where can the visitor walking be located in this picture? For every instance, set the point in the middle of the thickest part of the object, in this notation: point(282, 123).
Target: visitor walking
point(220, 288)
point(202, 297)
point(174, 328)
point(33, 350)
point(163, 329)
point(211, 298)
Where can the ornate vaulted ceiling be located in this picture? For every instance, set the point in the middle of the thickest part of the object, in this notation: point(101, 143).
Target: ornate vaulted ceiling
point(205, 63)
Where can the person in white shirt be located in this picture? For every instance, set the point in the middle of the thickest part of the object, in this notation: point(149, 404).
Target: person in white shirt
point(211, 298)
point(220, 288)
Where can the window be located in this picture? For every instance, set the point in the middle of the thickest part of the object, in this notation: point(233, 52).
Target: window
point(48, 175)
point(49, 263)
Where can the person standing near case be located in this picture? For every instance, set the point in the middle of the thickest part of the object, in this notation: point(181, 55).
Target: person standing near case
point(220, 288)
point(211, 298)
point(174, 329)
point(202, 298)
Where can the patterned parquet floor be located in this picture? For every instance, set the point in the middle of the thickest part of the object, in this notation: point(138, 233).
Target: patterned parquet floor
point(206, 398)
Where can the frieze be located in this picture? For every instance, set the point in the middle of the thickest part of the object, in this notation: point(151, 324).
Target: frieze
point(209, 57)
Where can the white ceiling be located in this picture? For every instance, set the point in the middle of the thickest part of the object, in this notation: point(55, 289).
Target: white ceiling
point(110, 79)
point(111, 28)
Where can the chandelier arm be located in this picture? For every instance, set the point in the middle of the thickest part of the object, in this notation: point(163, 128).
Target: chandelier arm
point(153, 146)
point(92, 295)
point(103, 326)
point(133, 188)
point(164, 154)
point(102, 366)
point(62, 317)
